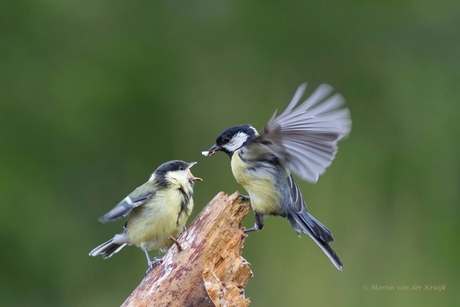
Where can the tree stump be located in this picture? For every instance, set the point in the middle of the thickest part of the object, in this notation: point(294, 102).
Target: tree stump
point(209, 270)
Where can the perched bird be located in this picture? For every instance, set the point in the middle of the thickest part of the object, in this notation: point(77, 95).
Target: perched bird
point(158, 211)
point(302, 140)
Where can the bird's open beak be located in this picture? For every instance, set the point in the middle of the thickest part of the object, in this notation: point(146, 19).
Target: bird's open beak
point(192, 178)
point(211, 151)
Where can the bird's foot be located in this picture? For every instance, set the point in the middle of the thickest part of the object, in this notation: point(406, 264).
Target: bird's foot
point(156, 261)
point(257, 227)
point(245, 198)
point(248, 230)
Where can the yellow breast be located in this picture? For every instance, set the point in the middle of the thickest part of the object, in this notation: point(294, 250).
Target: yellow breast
point(151, 224)
point(265, 197)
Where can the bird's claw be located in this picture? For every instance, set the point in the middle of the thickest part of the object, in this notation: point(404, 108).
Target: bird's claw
point(245, 198)
point(257, 227)
point(248, 230)
point(154, 263)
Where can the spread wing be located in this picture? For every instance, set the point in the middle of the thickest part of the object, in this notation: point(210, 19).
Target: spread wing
point(137, 198)
point(305, 137)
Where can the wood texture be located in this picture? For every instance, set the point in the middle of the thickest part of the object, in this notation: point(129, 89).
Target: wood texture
point(210, 270)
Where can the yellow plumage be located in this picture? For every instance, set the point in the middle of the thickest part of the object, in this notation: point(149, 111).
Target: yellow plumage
point(158, 211)
point(302, 139)
point(260, 186)
point(151, 225)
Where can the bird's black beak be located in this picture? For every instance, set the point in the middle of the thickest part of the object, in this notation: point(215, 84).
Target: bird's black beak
point(211, 150)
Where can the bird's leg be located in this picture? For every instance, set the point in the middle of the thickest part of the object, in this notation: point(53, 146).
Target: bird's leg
point(245, 198)
point(179, 247)
point(151, 263)
point(259, 224)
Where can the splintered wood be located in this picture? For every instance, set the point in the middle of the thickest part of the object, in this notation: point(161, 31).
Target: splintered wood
point(210, 270)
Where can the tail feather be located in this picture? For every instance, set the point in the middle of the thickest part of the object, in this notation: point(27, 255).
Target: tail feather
point(304, 222)
point(107, 249)
point(316, 227)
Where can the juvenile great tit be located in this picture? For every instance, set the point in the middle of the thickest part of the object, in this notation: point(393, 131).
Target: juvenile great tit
point(158, 211)
point(301, 139)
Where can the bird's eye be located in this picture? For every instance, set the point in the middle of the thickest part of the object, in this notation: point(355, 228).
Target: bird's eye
point(181, 168)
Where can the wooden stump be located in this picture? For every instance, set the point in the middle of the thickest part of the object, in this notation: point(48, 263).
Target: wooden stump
point(210, 270)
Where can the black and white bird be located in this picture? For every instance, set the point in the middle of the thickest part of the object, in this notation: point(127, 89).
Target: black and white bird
point(301, 140)
point(158, 211)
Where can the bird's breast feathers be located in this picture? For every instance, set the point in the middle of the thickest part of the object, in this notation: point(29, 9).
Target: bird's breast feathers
point(151, 225)
point(259, 182)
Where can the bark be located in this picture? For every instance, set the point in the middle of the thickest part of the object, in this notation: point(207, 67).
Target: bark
point(209, 270)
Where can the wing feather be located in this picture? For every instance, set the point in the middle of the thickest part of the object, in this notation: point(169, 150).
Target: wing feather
point(137, 198)
point(308, 134)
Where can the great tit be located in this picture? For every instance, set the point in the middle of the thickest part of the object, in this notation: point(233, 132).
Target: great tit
point(158, 211)
point(301, 139)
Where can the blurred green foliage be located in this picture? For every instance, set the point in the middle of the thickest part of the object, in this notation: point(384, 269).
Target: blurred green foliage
point(96, 94)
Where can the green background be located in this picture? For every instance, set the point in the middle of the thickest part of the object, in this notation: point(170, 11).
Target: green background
point(96, 94)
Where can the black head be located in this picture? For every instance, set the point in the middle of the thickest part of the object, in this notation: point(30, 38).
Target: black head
point(174, 166)
point(232, 139)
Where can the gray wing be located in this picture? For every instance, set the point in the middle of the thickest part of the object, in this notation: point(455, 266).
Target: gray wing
point(137, 198)
point(304, 138)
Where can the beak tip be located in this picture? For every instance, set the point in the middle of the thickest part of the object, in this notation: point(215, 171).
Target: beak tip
point(194, 179)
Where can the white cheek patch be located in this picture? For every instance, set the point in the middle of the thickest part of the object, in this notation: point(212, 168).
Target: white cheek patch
point(177, 177)
point(236, 142)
